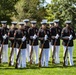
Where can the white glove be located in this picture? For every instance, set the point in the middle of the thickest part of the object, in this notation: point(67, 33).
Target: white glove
point(5, 36)
point(45, 38)
point(24, 38)
point(57, 36)
point(35, 36)
point(70, 37)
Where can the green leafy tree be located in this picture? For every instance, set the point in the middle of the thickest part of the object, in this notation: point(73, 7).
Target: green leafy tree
point(63, 10)
point(32, 9)
point(7, 9)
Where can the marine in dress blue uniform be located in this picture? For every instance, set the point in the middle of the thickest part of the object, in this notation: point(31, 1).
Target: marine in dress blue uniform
point(44, 35)
point(4, 37)
point(68, 34)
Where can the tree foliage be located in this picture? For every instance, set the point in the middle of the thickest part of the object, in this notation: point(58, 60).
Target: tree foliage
point(38, 10)
point(63, 10)
point(7, 9)
point(32, 9)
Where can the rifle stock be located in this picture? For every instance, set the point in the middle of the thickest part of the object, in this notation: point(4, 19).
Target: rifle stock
point(18, 55)
point(41, 55)
point(1, 51)
point(11, 53)
point(66, 52)
point(54, 51)
point(41, 51)
point(31, 52)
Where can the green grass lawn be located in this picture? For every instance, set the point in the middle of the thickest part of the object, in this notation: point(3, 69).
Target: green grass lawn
point(35, 70)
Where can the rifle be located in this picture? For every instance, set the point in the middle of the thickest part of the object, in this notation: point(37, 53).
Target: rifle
point(54, 51)
point(1, 50)
point(18, 55)
point(41, 54)
point(66, 52)
point(11, 53)
point(31, 52)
